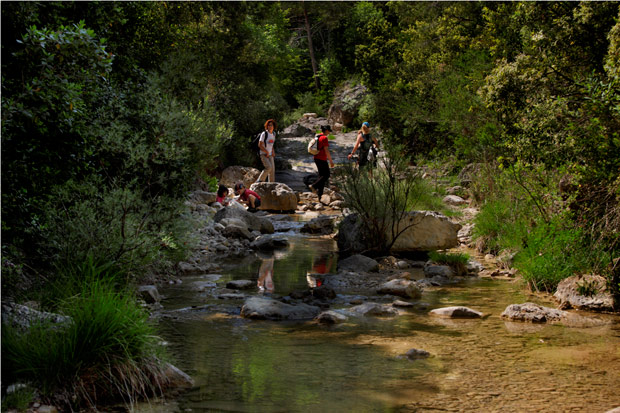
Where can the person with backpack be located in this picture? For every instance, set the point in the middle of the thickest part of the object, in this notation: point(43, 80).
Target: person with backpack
point(320, 159)
point(364, 142)
point(266, 151)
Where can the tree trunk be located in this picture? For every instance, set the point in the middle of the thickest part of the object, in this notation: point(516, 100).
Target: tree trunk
point(311, 49)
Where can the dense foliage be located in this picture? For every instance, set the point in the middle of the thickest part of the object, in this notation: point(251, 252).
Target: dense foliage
point(113, 111)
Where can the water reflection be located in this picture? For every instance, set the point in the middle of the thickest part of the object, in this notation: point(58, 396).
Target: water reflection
point(265, 276)
point(324, 263)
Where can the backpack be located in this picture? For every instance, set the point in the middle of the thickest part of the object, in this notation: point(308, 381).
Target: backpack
point(313, 145)
point(254, 142)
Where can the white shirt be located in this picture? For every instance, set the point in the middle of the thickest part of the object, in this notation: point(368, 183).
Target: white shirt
point(271, 138)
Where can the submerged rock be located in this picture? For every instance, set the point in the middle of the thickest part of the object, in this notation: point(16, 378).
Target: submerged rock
point(240, 284)
point(374, 310)
point(330, 317)
point(456, 312)
point(359, 263)
point(149, 294)
point(415, 354)
point(268, 309)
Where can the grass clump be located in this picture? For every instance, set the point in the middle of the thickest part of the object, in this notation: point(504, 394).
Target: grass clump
point(107, 352)
point(18, 399)
point(458, 261)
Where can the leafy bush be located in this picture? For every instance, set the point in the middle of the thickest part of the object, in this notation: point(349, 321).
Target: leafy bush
point(457, 261)
point(107, 351)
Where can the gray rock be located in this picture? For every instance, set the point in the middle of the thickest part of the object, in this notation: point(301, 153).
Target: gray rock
point(23, 317)
point(415, 354)
point(431, 271)
point(330, 317)
point(347, 100)
point(532, 313)
point(231, 296)
point(234, 174)
point(240, 284)
point(296, 130)
point(474, 267)
point(322, 225)
point(202, 197)
point(453, 200)
point(359, 263)
point(275, 196)
point(324, 292)
point(237, 231)
point(402, 304)
point(269, 242)
point(401, 288)
point(176, 378)
point(568, 296)
point(350, 235)
point(455, 312)
point(268, 309)
point(149, 294)
point(374, 310)
point(203, 285)
point(253, 222)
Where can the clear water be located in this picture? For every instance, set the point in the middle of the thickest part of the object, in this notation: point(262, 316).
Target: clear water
point(476, 365)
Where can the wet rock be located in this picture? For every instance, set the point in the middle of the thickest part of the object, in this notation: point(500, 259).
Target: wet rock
point(432, 270)
point(269, 242)
point(358, 263)
point(149, 294)
point(23, 317)
point(453, 200)
point(415, 354)
point(240, 284)
point(599, 299)
point(203, 285)
point(402, 264)
point(330, 317)
point(374, 310)
point(176, 378)
point(532, 313)
point(268, 309)
point(402, 304)
point(231, 296)
point(237, 231)
point(455, 312)
point(401, 288)
point(251, 221)
point(322, 225)
point(474, 267)
point(275, 196)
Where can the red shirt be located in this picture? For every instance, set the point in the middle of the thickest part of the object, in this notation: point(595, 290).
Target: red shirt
point(246, 195)
point(323, 143)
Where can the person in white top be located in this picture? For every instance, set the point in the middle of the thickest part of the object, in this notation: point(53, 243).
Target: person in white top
point(267, 153)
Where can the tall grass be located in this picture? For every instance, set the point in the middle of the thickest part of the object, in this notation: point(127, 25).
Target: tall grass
point(108, 351)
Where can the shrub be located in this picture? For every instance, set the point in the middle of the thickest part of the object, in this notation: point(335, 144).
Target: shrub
point(108, 350)
point(457, 261)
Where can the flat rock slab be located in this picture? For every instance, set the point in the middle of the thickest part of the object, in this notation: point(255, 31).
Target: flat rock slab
point(240, 284)
point(455, 312)
point(260, 308)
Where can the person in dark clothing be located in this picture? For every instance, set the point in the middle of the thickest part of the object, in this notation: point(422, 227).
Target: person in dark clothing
point(320, 159)
point(364, 142)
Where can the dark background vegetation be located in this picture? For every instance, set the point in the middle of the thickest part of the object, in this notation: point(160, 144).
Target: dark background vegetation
point(113, 111)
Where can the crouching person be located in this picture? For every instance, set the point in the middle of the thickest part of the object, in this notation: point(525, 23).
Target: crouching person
point(247, 197)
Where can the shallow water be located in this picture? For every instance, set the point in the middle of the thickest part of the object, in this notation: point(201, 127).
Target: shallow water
point(476, 365)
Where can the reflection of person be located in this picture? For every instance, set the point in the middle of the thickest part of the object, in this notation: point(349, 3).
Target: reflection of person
point(267, 153)
point(247, 197)
point(364, 142)
point(320, 159)
point(322, 264)
point(265, 276)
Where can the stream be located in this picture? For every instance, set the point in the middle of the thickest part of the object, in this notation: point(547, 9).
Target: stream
point(487, 364)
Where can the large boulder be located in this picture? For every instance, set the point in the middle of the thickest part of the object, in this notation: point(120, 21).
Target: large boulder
point(422, 231)
point(296, 130)
point(202, 197)
point(234, 174)
point(253, 222)
point(24, 317)
point(275, 196)
point(267, 309)
point(597, 298)
point(347, 101)
point(321, 225)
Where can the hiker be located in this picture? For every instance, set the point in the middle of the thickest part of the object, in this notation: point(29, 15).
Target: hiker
point(364, 142)
point(222, 195)
point(247, 197)
point(267, 153)
point(320, 159)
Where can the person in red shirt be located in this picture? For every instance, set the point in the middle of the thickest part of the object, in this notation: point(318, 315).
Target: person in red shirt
point(320, 159)
point(248, 197)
